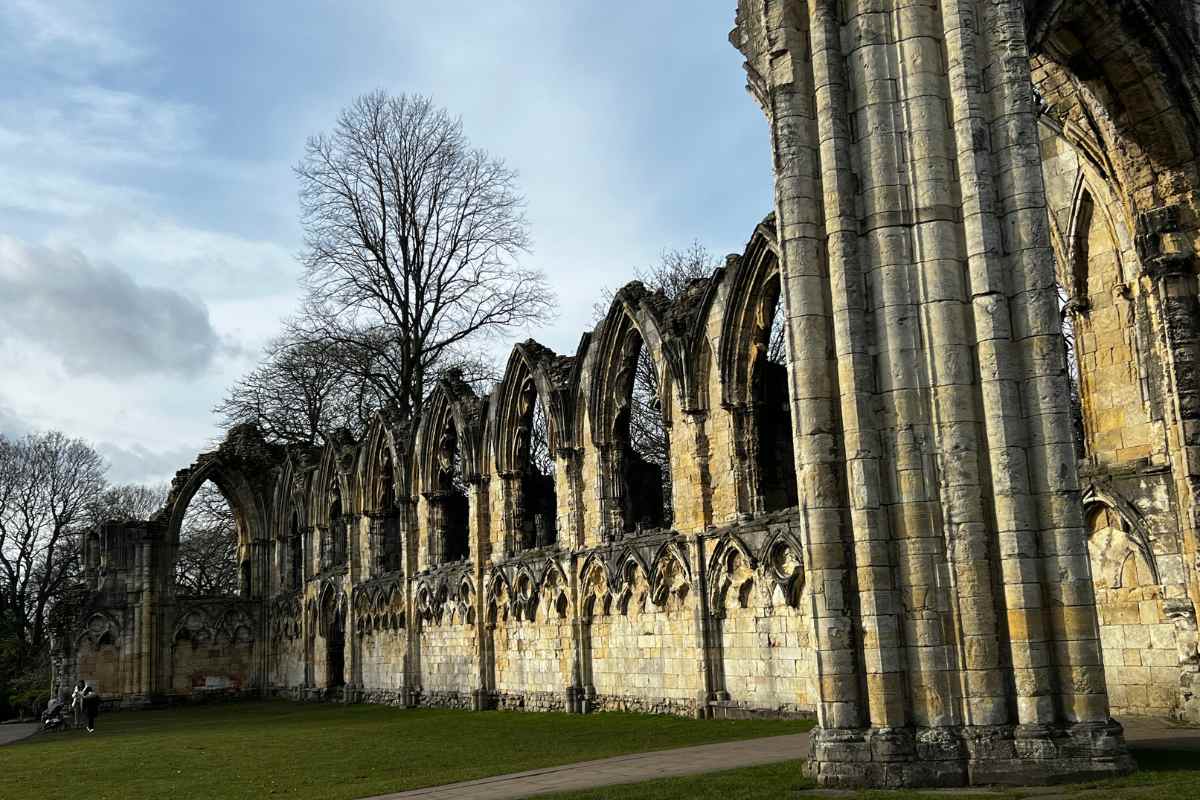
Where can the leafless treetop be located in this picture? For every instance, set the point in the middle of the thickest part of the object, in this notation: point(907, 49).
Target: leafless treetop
point(412, 241)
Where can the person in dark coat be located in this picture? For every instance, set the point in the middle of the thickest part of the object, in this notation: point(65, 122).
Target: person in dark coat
point(91, 707)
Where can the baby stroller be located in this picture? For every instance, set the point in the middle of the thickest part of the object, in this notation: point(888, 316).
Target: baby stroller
point(52, 717)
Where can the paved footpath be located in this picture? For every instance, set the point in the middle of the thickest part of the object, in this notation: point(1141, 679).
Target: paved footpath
point(633, 768)
point(17, 731)
point(639, 767)
point(1159, 733)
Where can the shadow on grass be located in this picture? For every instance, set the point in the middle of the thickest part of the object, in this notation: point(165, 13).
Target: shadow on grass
point(1165, 756)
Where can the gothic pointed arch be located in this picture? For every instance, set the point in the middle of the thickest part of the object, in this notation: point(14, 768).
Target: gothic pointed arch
point(448, 458)
point(1100, 497)
point(732, 570)
point(332, 614)
point(527, 427)
point(244, 468)
point(634, 479)
point(332, 499)
point(290, 516)
point(595, 597)
point(384, 481)
point(670, 575)
point(1131, 107)
point(751, 361)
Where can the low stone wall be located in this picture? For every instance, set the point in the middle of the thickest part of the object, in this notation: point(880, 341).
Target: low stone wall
point(449, 664)
point(708, 625)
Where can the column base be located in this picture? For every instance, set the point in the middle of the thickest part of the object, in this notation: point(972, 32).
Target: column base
point(483, 700)
point(895, 758)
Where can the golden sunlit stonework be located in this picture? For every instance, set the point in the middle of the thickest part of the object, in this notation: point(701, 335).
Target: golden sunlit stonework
point(959, 545)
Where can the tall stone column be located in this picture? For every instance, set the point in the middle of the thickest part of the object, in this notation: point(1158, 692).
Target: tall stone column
point(954, 620)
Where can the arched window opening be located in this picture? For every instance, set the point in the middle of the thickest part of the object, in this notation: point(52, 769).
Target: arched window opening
point(1068, 309)
point(389, 520)
point(207, 562)
point(539, 499)
point(642, 433)
point(450, 500)
point(335, 648)
point(335, 545)
point(295, 553)
point(91, 552)
point(775, 464)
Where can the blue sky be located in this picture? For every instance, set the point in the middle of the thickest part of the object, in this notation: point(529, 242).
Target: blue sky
point(149, 221)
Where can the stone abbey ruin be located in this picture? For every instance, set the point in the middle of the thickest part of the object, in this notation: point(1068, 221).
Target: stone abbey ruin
point(964, 551)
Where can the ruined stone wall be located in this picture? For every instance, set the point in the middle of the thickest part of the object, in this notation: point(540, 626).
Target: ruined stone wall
point(766, 646)
point(646, 657)
point(214, 648)
point(382, 646)
point(382, 660)
point(534, 658)
point(287, 664)
point(201, 666)
point(449, 666)
point(1141, 655)
point(100, 665)
point(958, 586)
point(1114, 162)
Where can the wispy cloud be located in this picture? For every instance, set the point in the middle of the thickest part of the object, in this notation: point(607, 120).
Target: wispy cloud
point(68, 37)
point(92, 127)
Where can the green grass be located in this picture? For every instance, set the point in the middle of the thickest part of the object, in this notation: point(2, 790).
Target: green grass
point(256, 750)
point(1163, 774)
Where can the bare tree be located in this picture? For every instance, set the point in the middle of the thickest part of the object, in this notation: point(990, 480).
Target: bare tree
point(131, 501)
point(303, 389)
point(411, 245)
point(674, 272)
point(207, 560)
point(47, 485)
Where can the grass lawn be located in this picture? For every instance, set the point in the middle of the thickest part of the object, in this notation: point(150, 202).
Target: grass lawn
point(1163, 775)
point(253, 750)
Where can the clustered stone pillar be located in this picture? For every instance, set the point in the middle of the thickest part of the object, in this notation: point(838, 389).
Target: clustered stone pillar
point(953, 612)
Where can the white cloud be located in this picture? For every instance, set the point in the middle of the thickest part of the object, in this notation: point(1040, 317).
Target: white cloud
point(215, 265)
point(10, 424)
point(138, 464)
point(96, 320)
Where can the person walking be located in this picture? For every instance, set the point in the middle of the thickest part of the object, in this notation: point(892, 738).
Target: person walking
point(91, 706)
point(77, 702)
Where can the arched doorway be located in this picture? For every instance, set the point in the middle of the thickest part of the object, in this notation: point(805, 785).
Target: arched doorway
point(333, 628)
